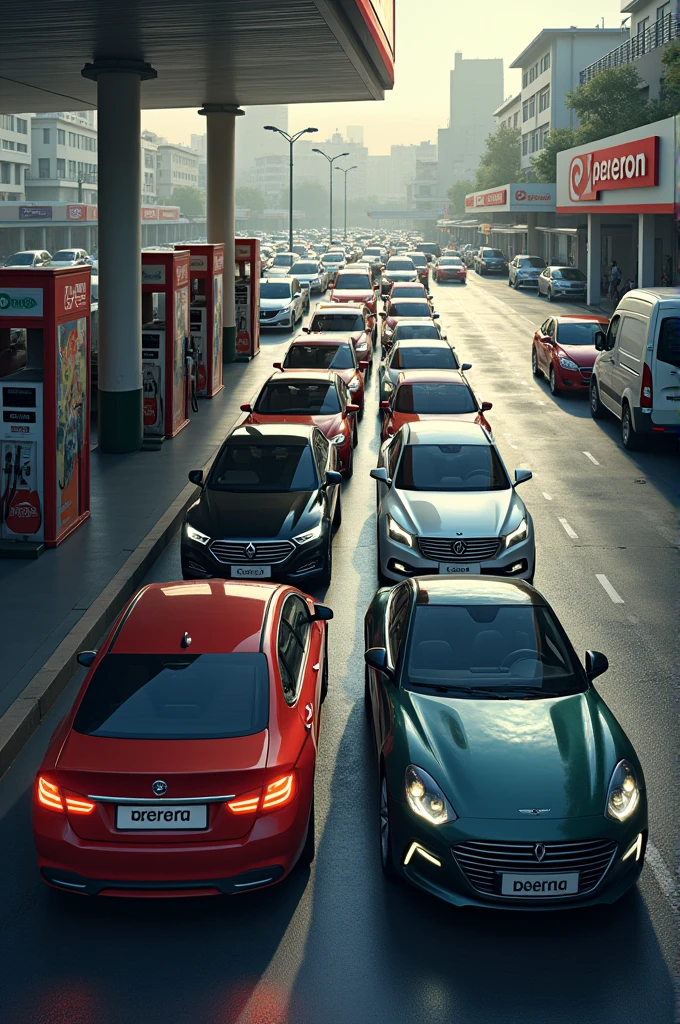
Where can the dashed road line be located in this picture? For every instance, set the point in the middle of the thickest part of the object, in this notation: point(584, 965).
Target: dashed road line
point(663, 876)
point(539, 402)
point(567, 529)
point(604, 582)
point(546, 496)
point(592, 458)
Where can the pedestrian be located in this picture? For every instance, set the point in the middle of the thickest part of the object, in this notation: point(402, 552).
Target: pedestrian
point(628, 286)
point(614, 281)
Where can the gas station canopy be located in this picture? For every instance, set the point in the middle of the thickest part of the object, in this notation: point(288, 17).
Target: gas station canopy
point(204, 51)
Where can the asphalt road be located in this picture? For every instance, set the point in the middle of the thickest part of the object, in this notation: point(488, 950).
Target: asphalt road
point(338, 945)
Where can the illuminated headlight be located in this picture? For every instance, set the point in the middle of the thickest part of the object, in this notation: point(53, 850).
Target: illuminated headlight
point(567, 364)
point(398, 533)
point(623, 796)
point(426, 799)
point(315, 280)
point(517, 535)
point(354, 385)
point(200, 538)
point(309, 535)
point(338, 439)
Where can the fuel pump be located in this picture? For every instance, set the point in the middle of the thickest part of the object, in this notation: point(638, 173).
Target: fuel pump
point(206, 272)
point(165, 329)
point(247, 294)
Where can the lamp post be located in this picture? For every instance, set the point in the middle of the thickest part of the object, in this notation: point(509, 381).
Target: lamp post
point(331, 161)
point(345, 171)
point(291, 140)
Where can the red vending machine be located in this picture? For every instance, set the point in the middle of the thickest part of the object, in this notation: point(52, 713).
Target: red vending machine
point(206, 273)
point(247, 285)
point(165, 335)
point(44, 391)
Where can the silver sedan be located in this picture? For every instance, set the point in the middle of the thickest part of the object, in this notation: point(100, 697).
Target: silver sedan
point(416, 354)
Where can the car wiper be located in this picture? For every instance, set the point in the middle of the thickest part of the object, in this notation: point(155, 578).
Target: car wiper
point(531, 692)
point(464, 691)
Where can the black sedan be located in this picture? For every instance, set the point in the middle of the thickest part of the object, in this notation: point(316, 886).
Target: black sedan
point(268, 508)
point(491, 261)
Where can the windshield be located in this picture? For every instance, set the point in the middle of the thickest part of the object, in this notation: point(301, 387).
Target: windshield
point(331, 322)
point(487, 650)
point(299, 398)
point(404, 331)
point(532, 261)
point(418, 260)
point(451, 467)
point(579, 333)
point(176, 697)
point(20, 259)
point(332, 257)
point(423, 357)
point(304, 269)
point(283, 260)
point(64, 255)
point(400, 265)
point(372, 252)
point(412, 309)
point(320, 357)
point(450, 261)
point(434, 398)
point(263, 468)
point(407, 290)
point(494, 254)
point(569, 274)
point(271, 290)
point(354, 281)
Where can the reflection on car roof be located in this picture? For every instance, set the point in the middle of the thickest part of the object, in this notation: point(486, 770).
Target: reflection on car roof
point(444, 431)
point(436, 590)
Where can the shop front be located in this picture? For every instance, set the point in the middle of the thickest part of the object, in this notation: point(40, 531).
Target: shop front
point(514, 217)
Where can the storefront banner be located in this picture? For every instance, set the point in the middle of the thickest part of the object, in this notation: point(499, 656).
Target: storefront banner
point(35, 213)
point(19, 302)
point(630, 165)
point(153, 273)
point(72, 414)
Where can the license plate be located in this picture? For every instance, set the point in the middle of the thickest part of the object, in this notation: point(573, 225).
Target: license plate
point(453, 569)
point(251, 572)
point(534, 886)
point(163, 817)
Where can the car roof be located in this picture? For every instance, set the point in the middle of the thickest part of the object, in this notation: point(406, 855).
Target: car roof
point(432, 377)
point(438, 590)
point(272, 433)
point(414, 302)
point(161, 613)
point(579, 317)
point(322, 339)
point(277, 279)
point(669, 295)
point(304, 375)
point(437, 342)
point(443, 431)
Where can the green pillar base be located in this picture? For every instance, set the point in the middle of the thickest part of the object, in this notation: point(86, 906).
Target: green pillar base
point(121, 428)
point(229, 344)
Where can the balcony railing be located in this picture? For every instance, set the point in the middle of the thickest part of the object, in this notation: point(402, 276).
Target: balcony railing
point(663, 31)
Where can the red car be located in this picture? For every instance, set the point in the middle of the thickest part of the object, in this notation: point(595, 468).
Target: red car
point(408, 290)
point(564, 350)
point(316, 397)
point(404, 309)
point(450, 268)
point(353, 318)
point(328, 352)
point(186, 765)
point(354, 286)
point(424, 394)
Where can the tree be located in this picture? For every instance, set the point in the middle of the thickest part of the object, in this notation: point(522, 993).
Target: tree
point(670, 85)
point(545, 164)
point(610, 103)
point(252, 199)
point(500, 162)
point(190, 200)
point(457, 194)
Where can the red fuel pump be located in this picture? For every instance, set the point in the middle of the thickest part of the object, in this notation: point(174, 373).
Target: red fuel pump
point(44, 390)
point(206, 272)
point(165, 336)
point(248, 273)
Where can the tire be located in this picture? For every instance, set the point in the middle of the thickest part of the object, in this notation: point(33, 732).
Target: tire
point(554, 389)
point(597, 409)
point(327, 570)
point(629, 437)
point(337, 515)
point(309, 849)
point(535, 368)
point(385, 833)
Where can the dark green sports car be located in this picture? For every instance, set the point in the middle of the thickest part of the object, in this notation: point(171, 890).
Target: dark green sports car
point(505, 780)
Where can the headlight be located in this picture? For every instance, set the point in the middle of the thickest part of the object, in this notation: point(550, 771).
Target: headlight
point(354, 385)
point(338, 439)
point(516, 536)
point(361, 346)
point(567, 364)
point(304, 538)
point(426, 799)
point(387, 386)
point(200, 538)
point(398, 533)
point(624, 792)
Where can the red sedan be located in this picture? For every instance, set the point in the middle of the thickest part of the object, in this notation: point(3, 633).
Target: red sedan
point(450, 268)
point(186, 765)
point(313, 397)
point(328, 352)
point(354, 286)
point(425, 394)
point(564, 350)
point(354, 318)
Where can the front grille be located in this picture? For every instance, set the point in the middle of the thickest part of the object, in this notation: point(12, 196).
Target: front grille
point(475, 549)
point(269, 314)
point(586, 371)
point(265, 553)
point(480, 861)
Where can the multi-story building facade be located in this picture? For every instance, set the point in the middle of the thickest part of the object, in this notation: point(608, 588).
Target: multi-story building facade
point(176, 166)
point(551, 66)
point(15, 154)
point(509, 113)
point(310, 166)
point(270, 176)
point(476, 91)
point(253, 142)
point(149, 159)
point(63, 158)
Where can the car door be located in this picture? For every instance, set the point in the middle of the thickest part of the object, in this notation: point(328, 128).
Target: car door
point(605, 366)
point(629, 357)
point(546, 344)
point(666, 370)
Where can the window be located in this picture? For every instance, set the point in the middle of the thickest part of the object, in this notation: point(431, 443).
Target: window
point(515, 120)
point(22, 147)
point(544, 132)
point(531, 75)
point(44, 168)
point(532, 106)
point(61, 168)
point(61, 137)
point(7, 144)
point(148, 159)
point(320, 446)
point(663, 11)
point(5, 170)
point(525, 80)
point(535, 140)
point(7, 122)
point(544, 99)
point(525, 110)
point(72, 139)
point(525, 145)
point(46, 135)
point(22, 126)
point(398, 621)
point(292, 646)
point(451, 467)
point(72, 170)
point(668, 350)
point(17, 174)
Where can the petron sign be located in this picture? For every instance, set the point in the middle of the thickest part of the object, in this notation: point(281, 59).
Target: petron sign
point(517, 197)
point(630, 165)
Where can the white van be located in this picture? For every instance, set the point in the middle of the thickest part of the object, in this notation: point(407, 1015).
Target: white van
point(637, 372)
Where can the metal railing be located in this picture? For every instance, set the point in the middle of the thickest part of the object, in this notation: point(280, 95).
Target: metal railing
point(663, 31)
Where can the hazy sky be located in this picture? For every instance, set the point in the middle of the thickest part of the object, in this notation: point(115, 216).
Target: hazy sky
point(428, 34)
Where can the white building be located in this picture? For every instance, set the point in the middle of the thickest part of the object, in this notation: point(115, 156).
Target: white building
point(509, 113)
point(63, 158)
point(270, 175)
point(551, 66)
point(149, 159)
point(176, 166)
point(252, 141)
point(310, 166)
point(476, 91)
point(15, 154)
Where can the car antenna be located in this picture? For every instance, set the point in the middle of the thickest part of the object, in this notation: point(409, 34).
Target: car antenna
point(185, 641)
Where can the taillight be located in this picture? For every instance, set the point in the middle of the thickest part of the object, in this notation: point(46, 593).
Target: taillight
point(49, 795)
point(276, 794)
point(646, 392)
point(244, 805)
point(77, 805)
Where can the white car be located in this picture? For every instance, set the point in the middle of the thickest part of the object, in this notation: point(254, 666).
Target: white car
point(70, 258)
point(281, 302)
point(28, 258)
point(312, 273)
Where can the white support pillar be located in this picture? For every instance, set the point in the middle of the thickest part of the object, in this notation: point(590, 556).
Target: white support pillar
point(22, 238)
point(533, 236)
point(646, 236)
point(221, 204)
point(120, 243)
point(594, 259)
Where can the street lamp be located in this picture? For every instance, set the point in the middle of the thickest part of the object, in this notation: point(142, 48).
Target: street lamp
point(291, 140)
point(331, 161)
point(345, 171)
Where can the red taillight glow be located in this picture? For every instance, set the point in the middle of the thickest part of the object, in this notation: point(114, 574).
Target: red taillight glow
point(279, 793)
point(48, 795)
point(646, 392)
point(244, 805)
point(78, 805)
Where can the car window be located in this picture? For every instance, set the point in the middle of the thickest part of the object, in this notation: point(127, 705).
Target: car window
point(575, 333)
point(329, 322)
point(397, 624)
point(404, 331)
point(400, 265)
point(275, 290)
point(632, 336)
point(291, 646)
point(320, 357)
point(298, 398)
point(451, 467)
point(668, 349)
point(353, 281)
point(263, 468)
point(436, 357)
point(412, 309)
point(434, 398)
point(392, 452)
point(320, 446)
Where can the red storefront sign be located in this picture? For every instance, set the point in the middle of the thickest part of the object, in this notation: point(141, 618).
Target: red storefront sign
point(168, 212)
point(630, 165)
point(499, 197)
point(149, 213)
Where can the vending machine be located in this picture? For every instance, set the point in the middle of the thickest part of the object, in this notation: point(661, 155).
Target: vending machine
point(44, 397)
point(206, 273)
point(248, 270)
point(165, 340)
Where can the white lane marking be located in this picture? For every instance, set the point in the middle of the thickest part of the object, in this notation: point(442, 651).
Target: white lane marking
point(567, 528)
point(592, 458)
point(540, 403)
point(663, 876)
point(546, 496)
point(604, 582)
point(509, 441)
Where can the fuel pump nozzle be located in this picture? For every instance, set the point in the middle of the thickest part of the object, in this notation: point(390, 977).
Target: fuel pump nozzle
point(190, 358)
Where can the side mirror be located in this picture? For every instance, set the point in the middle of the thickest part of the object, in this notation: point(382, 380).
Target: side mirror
point(486, 406)
point(435, 316)
point(246, 407)
point(376, 658)
point(381, 476)
point(333, 478)
point(85, 658)
point(306, 330)
point(600, 341)
point(322, 613)
point(430, 296)
point(466, 366)
point(384, 405)
point(596, 664)
point(196, 477)
point(522, 475)
point(277, 366)
point(351, 407)
point(363, 365)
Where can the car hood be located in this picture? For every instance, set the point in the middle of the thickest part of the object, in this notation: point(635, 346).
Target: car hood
point(493, 758)
point(275, 303)
point(228, 515)
point(582, 355)
point(468, 513)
